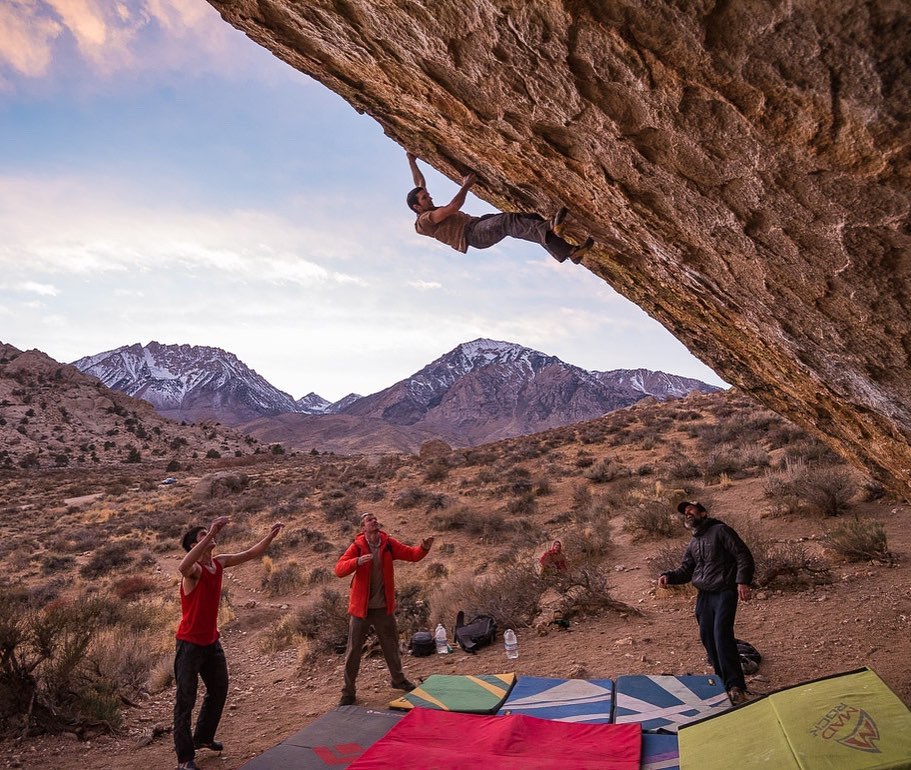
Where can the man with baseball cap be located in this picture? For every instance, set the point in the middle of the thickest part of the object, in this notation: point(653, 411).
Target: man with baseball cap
point(372, 599)
point(720, 566)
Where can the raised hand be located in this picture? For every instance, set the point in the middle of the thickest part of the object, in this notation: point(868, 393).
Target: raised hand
point(427, 542)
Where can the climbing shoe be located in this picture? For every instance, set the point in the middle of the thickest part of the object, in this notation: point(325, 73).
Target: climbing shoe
point(581, 250)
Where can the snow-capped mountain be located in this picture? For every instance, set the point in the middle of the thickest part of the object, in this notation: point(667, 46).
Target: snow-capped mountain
point(188, 382)
point(486, 390)
point(312, 404)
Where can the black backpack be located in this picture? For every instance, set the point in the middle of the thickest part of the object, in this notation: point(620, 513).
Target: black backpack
point(422, 644)
point(480, 632)
point(750, 657)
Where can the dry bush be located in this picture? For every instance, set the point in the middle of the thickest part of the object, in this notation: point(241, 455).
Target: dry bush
point(411, 498)
point(587, 545)
point(133, 586)
point(524, 505)
point(827, 489)
point(324, 623)
point(511, 596)
point(436, 570)
point(57, 562)
point(412, 609)
point(651, 519)
point(486, 527)
point(586, 591)
point(437, 470)
point(734, 460)
point(787, 564)
point(283, 579)
point(859, 540)
point(281, 635)
point(106, 558)
point(582, 497)
point(339, 505)
point(668, 557)
point(602, 472)
point(319, 575)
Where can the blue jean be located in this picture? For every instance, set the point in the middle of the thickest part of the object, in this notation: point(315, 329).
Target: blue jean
point(715, 612)
point(191, 663)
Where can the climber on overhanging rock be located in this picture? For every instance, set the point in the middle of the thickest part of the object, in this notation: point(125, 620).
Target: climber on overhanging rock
point(455, 228)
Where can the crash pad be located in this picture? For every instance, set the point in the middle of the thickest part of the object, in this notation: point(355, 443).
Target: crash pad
point(563, 700)
point(660, 752)
point(666, 702)
point(481, 694)
point(333, 741)
point(437, 739)
point(848, 720)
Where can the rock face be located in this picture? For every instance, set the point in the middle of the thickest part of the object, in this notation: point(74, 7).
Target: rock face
point(744, 166)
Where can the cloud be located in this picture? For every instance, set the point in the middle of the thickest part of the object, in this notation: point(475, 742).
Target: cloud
point(107, 38)
point(26, 37)
point(425, 285)
point(43, 289)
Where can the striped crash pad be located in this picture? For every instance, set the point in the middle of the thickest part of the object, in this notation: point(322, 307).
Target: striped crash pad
point(436, 739)
point(562, 700)
point(333, 741)
point(659, 752)
point(482, 694)
point(666, 702)
point(850, 720)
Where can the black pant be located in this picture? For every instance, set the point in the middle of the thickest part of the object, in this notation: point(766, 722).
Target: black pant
point(191, 662)
point(715, 611)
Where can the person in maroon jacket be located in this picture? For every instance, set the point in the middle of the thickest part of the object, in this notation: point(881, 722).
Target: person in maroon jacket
point(199, 653)
point(372, 599)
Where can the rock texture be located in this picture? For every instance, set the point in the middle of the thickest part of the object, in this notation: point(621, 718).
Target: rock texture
point(743, 165)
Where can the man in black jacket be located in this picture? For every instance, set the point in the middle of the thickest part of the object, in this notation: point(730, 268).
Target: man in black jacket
point(721, 566)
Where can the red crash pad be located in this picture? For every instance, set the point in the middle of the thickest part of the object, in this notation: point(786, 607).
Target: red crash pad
point(427, 739)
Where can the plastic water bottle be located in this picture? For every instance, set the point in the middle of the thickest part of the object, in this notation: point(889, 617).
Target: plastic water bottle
point(439, 637)
point(511, 644)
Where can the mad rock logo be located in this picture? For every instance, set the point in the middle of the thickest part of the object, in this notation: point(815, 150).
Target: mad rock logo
point(849, 726)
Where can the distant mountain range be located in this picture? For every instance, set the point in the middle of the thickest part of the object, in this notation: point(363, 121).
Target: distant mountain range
point(481, 391)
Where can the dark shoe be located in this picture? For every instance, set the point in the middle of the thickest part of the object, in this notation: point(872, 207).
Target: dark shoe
point(737, 696)
point(581, 250)
point(191, 765)
point(557, 220)
point(405, 685)
point(211, 745)
point(346, 700)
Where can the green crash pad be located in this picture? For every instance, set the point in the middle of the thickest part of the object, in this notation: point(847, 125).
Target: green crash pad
point(482, 694)
point(850, 720)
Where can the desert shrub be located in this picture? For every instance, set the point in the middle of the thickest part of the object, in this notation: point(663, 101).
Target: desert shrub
point(324, 623)
point(541, 486)
point(436, 502)
point(586, 591)
point(132, 587)
point(601, 472)
point(586, 546)
point(667, 558)
point(859, 540)
point(56, 562)
point(281, 635)
point(437, 470)
point(410, 498)
point(651, 519)
point(827, 489)
point(582, 497)
point(486, 527)
point(511, 595)
point(584, 459)
point(524, 504)
point(789, 564)
point(46, 680)
point(436, 570)
point(339, 507)
point(684, 468)
point(319, 575)
point(412, 608)
point(106, 558)
point(809, 450)
point(283, 579)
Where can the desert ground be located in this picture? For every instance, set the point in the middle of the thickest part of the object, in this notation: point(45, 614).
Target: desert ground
point(606, 487)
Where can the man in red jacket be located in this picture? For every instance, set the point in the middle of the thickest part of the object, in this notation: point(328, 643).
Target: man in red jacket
point(199, 653)
point(372, 599)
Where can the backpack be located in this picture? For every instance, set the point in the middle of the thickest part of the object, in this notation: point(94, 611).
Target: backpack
point(749, 657)
point(422, 644)
point(480, 632)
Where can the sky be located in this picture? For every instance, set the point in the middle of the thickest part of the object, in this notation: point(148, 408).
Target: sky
point(164, 178)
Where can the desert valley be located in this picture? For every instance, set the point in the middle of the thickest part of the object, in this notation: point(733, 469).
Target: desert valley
point(91, 549)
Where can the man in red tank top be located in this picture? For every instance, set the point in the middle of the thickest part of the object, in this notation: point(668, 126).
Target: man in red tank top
point(199, 653)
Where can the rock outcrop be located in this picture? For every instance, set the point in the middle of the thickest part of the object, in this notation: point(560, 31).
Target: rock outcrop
point(744, 166)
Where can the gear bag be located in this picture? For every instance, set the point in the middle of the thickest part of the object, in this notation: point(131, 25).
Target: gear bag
point(480, 632)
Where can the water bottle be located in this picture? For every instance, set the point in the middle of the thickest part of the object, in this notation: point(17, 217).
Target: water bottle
point(511, 644)
point(439, 637)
